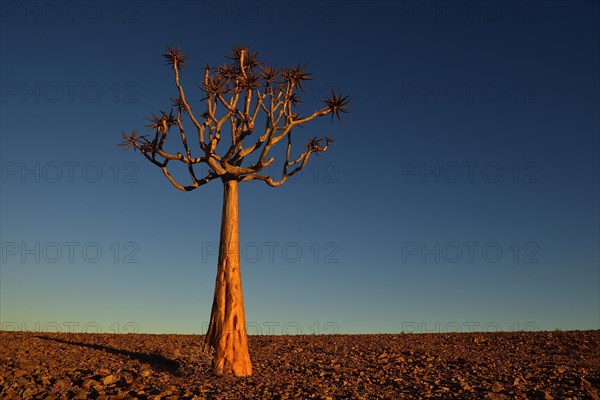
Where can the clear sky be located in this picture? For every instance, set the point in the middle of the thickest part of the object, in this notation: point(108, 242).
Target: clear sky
point(462, 192)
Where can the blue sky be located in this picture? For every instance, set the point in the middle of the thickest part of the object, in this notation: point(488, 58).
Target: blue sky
point(461, 193)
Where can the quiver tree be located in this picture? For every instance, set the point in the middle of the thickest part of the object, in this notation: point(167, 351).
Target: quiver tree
point(237, 95)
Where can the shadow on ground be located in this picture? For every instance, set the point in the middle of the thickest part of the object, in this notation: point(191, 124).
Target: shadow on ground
point(157, 361)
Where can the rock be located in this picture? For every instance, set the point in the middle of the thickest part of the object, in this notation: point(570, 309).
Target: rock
point(110, 379)
point(90, 382)
point(81, 394)
point(497, 387)
point(494, 396)
point(518, 381)
point(128, 378)
point(19, 373)
point(61, 384)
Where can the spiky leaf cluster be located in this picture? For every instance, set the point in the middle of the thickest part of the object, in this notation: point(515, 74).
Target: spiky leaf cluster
point(268, 73)
point(336, 104)
point(132, 141)
point(216, 85)
point(162, 123)
point(315, 144)
point(178, 103)
point(250, 81)
point(250, 60)
point(174, 57)
point(297, 75)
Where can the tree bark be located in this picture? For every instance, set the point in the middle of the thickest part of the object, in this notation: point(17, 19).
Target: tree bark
point(226, 334)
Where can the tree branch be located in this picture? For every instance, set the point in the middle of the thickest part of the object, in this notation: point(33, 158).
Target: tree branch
point(262, 91)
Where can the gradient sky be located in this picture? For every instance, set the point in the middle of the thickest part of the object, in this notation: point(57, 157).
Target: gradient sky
point(462, 192)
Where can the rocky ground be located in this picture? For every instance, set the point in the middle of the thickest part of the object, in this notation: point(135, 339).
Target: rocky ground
point(515, 365)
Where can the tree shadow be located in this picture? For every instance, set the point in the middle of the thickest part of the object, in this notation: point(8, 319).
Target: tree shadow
point(157, 361)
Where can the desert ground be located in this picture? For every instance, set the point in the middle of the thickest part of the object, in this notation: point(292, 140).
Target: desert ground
point(501, 365)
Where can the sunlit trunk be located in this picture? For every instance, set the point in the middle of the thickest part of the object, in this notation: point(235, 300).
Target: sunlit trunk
point(227, 330)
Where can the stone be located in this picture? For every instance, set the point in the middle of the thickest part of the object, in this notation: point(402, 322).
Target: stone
point(110, 379)
point(497, 387)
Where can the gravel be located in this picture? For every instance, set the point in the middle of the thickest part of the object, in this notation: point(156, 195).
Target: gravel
point(499, 365)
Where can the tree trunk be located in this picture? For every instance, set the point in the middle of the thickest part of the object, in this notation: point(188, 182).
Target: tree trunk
point(227, 330)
